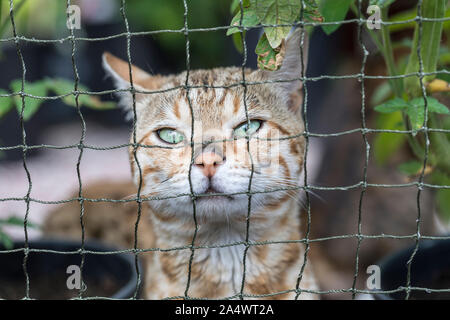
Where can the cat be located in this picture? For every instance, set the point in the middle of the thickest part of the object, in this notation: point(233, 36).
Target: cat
point(112, 223)
point(221, 164)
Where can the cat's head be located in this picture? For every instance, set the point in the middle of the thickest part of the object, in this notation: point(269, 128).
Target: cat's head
point(221, 161)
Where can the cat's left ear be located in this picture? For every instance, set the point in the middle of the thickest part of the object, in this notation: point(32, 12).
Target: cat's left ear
point(119, 70)
point(291, 68)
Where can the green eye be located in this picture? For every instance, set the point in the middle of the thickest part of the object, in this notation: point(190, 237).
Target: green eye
point(170, 136)
point(247, 129)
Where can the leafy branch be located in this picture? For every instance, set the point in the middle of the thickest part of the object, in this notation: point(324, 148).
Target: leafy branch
point(42, 88)
point(400, 101)
point(5, 239)
point(285, 13)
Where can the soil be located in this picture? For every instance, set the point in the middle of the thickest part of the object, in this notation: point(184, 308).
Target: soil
point(53, 287)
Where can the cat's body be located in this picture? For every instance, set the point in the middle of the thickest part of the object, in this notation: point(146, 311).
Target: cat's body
point(218, 272)
point(213, 179)
point(113, 223)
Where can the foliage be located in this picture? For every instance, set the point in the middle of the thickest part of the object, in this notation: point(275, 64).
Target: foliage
point(414, 109)
point(55, 11)
point(400, 101)
point(268, 13)
point(40, 89)
point(5, 239)
point(332, 11)
point(429, 46)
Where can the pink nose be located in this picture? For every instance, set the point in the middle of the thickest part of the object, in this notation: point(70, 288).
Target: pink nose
point(208, 162)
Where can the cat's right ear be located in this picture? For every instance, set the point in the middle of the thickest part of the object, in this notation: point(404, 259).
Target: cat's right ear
point(119, 70)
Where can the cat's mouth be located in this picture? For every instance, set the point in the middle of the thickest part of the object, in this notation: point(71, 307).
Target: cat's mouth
point(211, 193)
point(211, 190)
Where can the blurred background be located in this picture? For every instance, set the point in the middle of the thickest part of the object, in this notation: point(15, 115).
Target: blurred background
point(333, 106)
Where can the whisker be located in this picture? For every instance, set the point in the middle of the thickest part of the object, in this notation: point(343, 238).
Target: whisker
point(129, 197)
point(316, 195)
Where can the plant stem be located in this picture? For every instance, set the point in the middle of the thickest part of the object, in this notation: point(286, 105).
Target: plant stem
point(414, 144)
point(388, 54)
point(386, 49)
point(429, 46)
point(7, 21)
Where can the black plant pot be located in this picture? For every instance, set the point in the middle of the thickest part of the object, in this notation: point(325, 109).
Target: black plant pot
point(105, 275)
point(430, 269)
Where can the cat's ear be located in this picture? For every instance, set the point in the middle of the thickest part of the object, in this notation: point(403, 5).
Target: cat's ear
point(291, 68)
point(119, 70)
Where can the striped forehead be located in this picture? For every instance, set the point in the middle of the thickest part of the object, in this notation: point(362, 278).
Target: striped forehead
point(211, 106)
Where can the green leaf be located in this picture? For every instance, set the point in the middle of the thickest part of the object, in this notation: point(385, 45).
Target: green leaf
point(6, 241)
point(16, 221)
point(62, 87)
point(271, 12)
point(332, 11)
point(6, 103)
point(235, 5)
point(311, 11)
point(276, 12)
point(32, 105)
point(381, 3)
point(432, 34)
point(268, 58)
point(410, 168)
point(429, 46)
point(416, 110)
point(444, 76)
point(381, 93)
point(393, 105)
point(416, 114)
point(249, 19)
point(385, 143)
point(433, 105)
point(237, 40)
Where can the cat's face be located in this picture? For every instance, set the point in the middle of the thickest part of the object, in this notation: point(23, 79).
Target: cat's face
point(219, 150)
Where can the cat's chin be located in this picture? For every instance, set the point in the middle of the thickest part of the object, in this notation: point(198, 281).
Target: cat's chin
point(214, 208)
point(223, 208)
point(214, 204)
